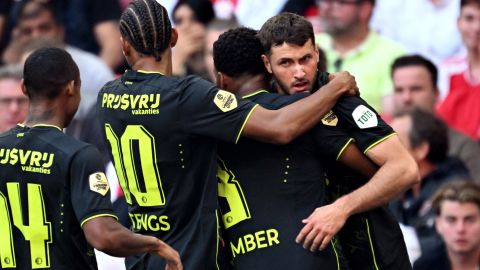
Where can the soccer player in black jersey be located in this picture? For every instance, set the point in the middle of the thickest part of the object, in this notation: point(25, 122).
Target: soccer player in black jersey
point(266, 190)
point(163, 131)
point(371, 240)
point(54, 196)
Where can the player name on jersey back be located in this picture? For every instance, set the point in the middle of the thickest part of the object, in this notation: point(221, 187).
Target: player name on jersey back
point(30, 161)
point(137, 104)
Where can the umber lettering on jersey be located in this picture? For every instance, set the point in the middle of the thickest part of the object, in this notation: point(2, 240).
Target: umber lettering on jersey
point(257, 240)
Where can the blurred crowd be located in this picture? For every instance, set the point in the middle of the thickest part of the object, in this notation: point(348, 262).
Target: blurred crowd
point(417, 62)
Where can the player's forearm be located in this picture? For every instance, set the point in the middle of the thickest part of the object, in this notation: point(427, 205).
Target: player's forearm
point(393, 178)
point(120, 242)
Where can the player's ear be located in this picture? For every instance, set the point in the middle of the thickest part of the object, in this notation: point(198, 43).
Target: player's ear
point(317, 53)
point(421, 151)
point(174, 38)
point(267, 64)
point(126, 47)
point(24, 88)
point(70, 88)
point(220, 78)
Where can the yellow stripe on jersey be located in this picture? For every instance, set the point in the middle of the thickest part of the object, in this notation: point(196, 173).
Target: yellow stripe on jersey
point(255, 93)
point(245, 122)
point(96, 216)
point(336, 254)
point(371, 245)
point(45, 125)
point(343, 148)
point(149, 72)
point(379, 141)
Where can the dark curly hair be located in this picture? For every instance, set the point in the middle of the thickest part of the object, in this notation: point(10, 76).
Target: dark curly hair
point(237, 52)
point(146, 26)
point(47, 71)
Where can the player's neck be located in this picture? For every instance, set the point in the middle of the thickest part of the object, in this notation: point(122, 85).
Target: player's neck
point(148, 63)
point(153, 65)
point(46, 113)
point(251, 84)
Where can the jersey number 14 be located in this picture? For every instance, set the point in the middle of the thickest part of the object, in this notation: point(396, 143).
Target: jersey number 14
point(38, 231)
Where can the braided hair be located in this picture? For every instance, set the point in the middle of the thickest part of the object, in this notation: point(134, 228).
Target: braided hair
point(146, 26)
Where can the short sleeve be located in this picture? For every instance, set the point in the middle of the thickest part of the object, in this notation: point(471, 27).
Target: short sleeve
point(330, 138)
point(362, 122)
point(90, 192)
point(205, 110)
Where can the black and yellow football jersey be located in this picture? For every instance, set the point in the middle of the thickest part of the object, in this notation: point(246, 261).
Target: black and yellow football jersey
point(163, 133)
point(50, 185)
point(372, 239)
point(265, 191)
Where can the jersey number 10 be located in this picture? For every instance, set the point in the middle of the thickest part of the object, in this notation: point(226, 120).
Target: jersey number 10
point(126, 167)
point(38, 231)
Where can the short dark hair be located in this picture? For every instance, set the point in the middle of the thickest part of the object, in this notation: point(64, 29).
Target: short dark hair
point(237, 52)
point(428, 128)
point(39, 7)
point(146, 26)
point(417, 60)
point(459, 190)
point(469, 2)
point(202, 10)
point(285, 28)
point(47, 71)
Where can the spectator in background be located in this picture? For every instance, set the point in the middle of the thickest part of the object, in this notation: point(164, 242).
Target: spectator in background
point(214, 29)
point(415, 85)
point(13, 103)
point(466, 61)
point(350, 44)
point(436, 36)
point(92, 25)
point(190, 18)
point(38, 28)
point(457, 220)
point(461, 107)
point(426, 138)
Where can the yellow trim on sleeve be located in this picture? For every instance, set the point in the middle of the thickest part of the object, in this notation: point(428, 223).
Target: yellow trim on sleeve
point(96, 216)
point(245, 122)
point(255, 93)
point(379, 141)
point(343, 148)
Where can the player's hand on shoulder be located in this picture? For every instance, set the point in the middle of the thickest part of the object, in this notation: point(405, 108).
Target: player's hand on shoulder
point(345, 83)
point(321, 226)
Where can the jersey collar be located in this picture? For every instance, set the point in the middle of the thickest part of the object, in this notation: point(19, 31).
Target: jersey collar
point(255, 93)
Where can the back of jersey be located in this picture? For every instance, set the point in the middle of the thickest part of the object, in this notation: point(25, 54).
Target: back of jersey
point(162, 135)
point(39, 227)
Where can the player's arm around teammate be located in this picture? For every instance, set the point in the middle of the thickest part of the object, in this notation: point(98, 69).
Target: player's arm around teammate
point(283, 125)
point(396, 173)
